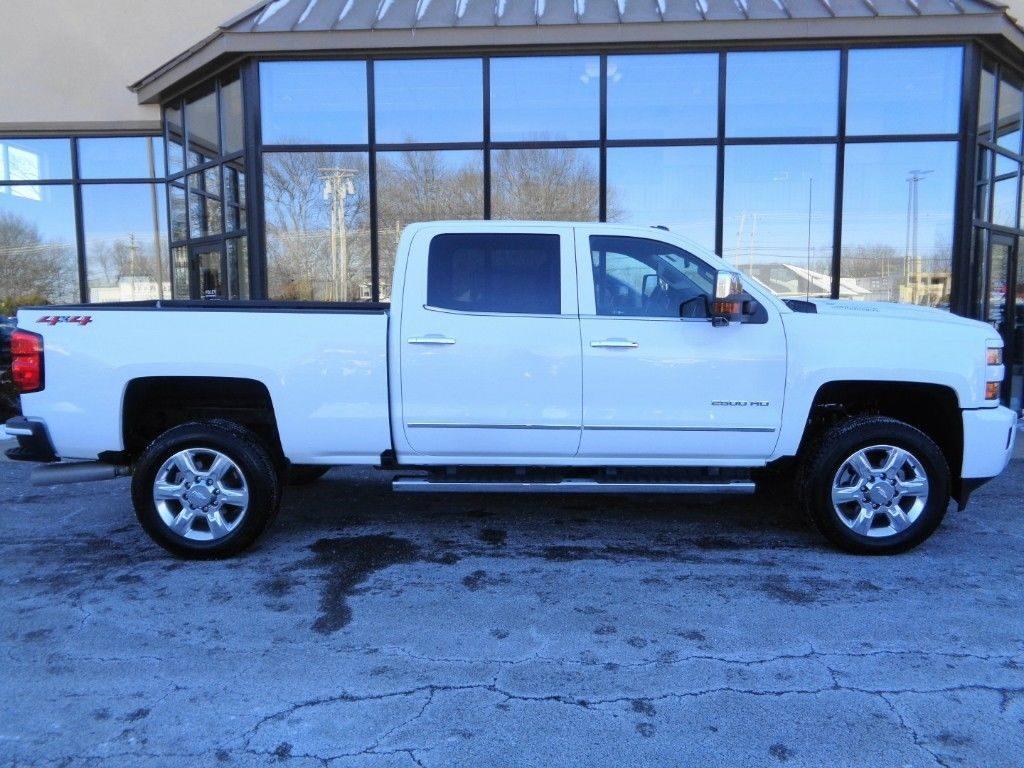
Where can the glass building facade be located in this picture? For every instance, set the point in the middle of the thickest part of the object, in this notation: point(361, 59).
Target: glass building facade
point(861, 171)
point(82, 219)
point(826, 172)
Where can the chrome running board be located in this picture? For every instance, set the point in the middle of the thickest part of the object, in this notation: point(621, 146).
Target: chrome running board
point(428, 485)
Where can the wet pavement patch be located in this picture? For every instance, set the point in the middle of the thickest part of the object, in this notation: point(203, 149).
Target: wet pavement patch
point(780, 588)
point(493, 537)
point(344, 564)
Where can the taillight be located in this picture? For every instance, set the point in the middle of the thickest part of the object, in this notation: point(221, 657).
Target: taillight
point(27, 361)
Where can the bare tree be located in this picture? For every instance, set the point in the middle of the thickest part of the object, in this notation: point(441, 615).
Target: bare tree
point(422, 186)
point(412, 186)
point(32, 270)
point(298, 214)
point(551, 184)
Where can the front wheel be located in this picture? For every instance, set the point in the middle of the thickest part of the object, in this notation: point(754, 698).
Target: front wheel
point(205, 490)
point(875, 485)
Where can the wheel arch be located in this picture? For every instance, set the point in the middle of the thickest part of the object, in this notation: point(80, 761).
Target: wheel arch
point(932, 408)
point(153, 404)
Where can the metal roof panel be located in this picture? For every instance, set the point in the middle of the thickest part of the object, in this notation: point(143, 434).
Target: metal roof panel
point(852, 8)
point(719, 10)
point(766, 9)
point(356, 14)
point(474, 13)
point(683, 10)
point(516, 11)
point(319, 14)
point(895, 8)
point(557, 11)
point(640, 10)
point(809, 9)
point(601, 12)
point(279, 15)
point(322, 15)
point(435, 13)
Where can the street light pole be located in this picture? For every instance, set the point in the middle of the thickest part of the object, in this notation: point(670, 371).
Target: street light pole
point(912, 257)
point(338, 185)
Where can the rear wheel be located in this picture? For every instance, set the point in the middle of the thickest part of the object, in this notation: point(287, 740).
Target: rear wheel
point(875, 485)
point(205, 490)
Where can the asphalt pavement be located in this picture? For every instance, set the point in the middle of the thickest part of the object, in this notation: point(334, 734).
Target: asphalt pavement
point(369, 629)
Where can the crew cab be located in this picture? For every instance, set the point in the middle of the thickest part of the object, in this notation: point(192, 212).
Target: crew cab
point(519, 357)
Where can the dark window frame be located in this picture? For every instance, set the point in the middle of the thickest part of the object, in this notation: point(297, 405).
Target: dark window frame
point(77, 181)
point(238, 159)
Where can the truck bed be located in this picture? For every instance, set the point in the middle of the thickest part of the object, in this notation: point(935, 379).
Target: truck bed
point(323, 365)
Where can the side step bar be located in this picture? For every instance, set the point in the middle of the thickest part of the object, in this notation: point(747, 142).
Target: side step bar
point(428, 485)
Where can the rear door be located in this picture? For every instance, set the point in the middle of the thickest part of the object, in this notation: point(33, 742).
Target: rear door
point(660, 381)
point(491, 368)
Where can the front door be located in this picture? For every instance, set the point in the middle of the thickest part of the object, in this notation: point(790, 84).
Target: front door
point(659, 380)
point(1004, 309)
point(490, 346)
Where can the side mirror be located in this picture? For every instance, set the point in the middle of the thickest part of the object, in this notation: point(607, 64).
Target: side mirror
point(727, 306)
point(696, 307)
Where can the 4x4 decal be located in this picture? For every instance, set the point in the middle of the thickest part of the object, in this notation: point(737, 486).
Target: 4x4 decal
point(55, 319)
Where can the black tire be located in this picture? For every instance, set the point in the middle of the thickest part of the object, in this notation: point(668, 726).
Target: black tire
point(826, 456)
point(258, 473)
point(304, 474)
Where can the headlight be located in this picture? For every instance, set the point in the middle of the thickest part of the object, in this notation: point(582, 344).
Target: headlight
point(995, 355)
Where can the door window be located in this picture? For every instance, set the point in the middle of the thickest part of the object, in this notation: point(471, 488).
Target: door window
point(507, 273)
point(636, 277)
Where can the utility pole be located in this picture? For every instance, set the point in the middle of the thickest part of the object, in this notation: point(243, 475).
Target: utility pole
point(158, 249)
point(810, 216)
point(911, 258)
point(338, 185)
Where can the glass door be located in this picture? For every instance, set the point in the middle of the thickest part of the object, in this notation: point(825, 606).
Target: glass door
point(208, 272)
point(1004, 309)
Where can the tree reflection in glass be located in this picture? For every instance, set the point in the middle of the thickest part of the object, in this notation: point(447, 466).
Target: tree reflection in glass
point(545, 184)
point(423, 186)
point(38, 258)
point(317, 214)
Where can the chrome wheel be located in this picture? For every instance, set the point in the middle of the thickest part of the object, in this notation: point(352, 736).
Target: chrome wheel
point(200, 494)
point(880, 491)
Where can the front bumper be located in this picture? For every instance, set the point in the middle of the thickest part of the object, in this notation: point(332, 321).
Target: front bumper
point(989, 434)
point(33, 441)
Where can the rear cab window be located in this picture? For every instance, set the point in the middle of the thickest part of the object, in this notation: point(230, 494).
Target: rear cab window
point(508, 273)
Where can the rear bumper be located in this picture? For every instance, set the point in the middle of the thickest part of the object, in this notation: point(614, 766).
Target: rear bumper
point(33, 441)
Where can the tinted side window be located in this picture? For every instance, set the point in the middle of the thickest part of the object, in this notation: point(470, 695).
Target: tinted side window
point(636, 277)
point(519, 274)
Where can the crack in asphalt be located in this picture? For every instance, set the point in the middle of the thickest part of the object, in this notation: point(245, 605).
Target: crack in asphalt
point(499, 596)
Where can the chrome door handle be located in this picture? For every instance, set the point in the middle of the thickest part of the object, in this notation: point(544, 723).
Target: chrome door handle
point(431, 338)
point(615, 343)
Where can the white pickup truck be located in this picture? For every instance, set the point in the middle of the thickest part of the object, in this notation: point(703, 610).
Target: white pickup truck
point(518, 357)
